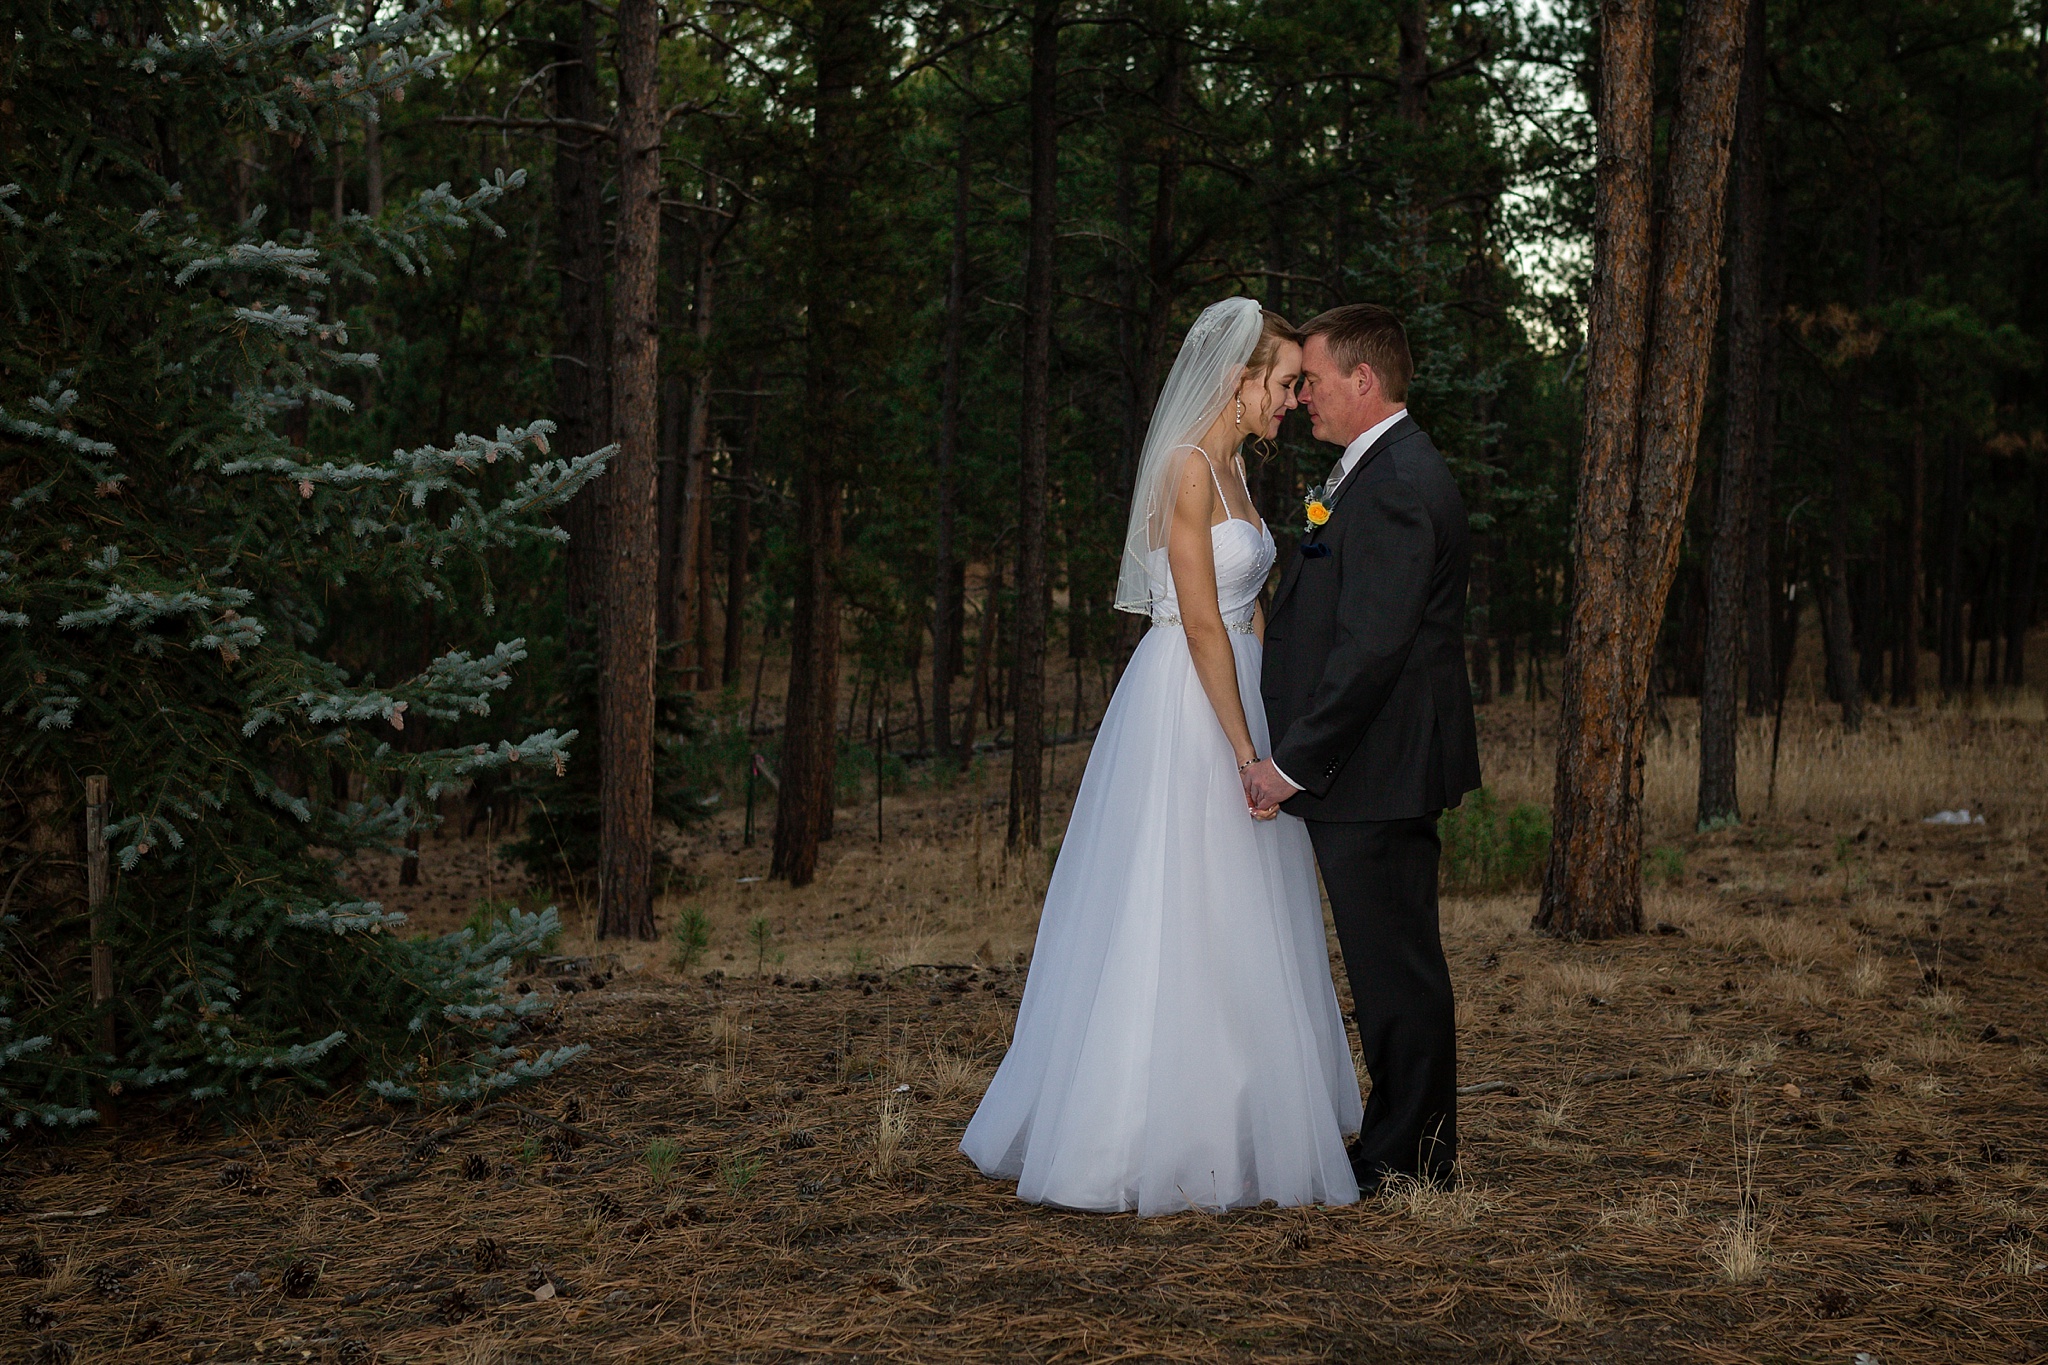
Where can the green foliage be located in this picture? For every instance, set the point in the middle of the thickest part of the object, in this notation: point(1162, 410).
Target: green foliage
point(690, 937)
point(489, 918)
point(735, 1173)
point(180, 524)
point(563, 820)
point(1486, 849)
point(661, 1157)
point(1664, 864)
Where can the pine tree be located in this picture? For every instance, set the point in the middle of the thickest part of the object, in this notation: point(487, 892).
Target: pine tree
point(173, 537)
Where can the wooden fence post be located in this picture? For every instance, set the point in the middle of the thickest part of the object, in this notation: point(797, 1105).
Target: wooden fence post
point(97, 885)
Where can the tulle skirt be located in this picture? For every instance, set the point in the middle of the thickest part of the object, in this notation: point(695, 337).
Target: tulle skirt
point(1178, 1044)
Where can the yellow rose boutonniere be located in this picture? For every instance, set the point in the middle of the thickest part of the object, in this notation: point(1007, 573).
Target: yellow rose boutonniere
point(1316, 510)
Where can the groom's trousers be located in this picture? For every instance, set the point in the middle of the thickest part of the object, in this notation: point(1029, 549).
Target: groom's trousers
point(1381, 876)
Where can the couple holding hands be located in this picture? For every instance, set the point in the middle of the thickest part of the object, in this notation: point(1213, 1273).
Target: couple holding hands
point(1178, 1044)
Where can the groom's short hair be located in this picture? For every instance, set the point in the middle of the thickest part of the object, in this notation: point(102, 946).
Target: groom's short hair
point(1367, 334)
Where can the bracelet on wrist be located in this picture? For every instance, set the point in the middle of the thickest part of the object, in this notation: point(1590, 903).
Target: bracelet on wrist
point(1246, 764)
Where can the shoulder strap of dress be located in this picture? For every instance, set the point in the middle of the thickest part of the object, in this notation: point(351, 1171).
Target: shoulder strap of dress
point(1214, 477)
point(1217, 479)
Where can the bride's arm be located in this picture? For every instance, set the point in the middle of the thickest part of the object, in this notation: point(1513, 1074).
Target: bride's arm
point(1192, 558)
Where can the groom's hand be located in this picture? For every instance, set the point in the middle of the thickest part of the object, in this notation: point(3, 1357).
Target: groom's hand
point(1265, 788)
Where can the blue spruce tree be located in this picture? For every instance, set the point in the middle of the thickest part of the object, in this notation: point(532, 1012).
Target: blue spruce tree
point(171, 536)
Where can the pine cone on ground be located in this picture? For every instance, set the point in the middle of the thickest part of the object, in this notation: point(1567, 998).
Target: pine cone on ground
point(475, 1167)
point(354, 1351)
point(487, 1255)
point(36, 1318)
point(572, 1109)
point(234, 1175)
point(30, 1263)
point(330, 1187)
point(298, 1279)
point(106, 1281)
point(608, 1208)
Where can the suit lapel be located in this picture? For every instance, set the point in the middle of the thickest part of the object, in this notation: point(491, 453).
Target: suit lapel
point(1387, 438)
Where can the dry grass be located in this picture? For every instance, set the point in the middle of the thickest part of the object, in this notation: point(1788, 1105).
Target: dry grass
point(892, 1131)
point(1742, 1253)
point(1867, 976)
point(1652, 1209)
point(1560, 987)
point(1459, 1205)
point(1562, 1302)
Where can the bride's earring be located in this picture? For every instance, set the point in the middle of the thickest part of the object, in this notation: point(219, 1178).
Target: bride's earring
point(1240, 412)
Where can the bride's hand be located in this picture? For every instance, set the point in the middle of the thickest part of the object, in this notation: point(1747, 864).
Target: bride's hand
point(1251, 803)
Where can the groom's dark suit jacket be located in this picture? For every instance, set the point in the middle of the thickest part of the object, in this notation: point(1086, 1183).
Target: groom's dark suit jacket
point(1365, 686)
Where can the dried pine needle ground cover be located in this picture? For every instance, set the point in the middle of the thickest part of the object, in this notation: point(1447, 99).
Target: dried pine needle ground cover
point(1807, 1119)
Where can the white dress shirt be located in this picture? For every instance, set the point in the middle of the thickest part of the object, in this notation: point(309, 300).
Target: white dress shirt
point(1359, 445)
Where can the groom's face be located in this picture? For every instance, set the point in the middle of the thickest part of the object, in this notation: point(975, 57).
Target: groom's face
point(1335, 401)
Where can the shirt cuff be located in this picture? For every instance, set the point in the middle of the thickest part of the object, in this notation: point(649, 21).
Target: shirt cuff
point(1288, 780)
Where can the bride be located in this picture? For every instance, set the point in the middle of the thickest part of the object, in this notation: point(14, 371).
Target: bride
point(1178, 1044)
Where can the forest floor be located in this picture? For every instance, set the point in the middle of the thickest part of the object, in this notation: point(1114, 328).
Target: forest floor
point(1805, 1117)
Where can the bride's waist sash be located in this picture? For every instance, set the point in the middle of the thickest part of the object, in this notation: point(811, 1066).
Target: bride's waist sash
point(1239, 620)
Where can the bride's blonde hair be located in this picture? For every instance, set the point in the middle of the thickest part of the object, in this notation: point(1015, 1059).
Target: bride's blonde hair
point(1273, 329)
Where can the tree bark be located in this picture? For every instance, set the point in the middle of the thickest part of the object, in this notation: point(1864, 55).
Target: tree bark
point(1950, 628)
point(2026, 581)
point(1161, 264)
point(1643, 398)
point(1411, 75)
point(984, 658)
point(582, 387)
point(700, 576)
point(1027, 735)
point(626, 621)
point(1721, 673)
point(943, 616)
point(1906, 667)
point(1479, 615)
point(738, 532)
point(843, 60)
point(686, 485)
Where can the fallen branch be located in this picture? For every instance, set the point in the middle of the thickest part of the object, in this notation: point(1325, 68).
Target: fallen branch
point(59, 1215)
point(1489, 1088)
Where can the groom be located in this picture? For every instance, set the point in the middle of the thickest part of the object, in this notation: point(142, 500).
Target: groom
point(1371, 715)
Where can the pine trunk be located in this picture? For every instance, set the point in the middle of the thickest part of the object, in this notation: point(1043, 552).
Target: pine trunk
point(1721, 672)
point(1411, 75)
point(1479, 615)
point(803, 811)
point(944, 647)
point(1950, 629)
point(2027, 578)
point(1027, 735)
point(738, 532)
point(582, 393)
point(1906, 667)
point(1643, 399)
point(628, 539)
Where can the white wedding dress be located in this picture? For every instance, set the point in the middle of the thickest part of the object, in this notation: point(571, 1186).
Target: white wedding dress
point(1178, 1044)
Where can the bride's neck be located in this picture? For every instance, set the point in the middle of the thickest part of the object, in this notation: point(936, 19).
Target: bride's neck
point(1219, 442)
